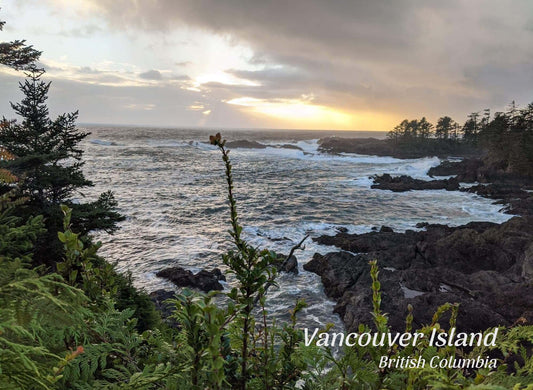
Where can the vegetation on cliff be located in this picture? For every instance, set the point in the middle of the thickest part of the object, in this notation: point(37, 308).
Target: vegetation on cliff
point(504, 140)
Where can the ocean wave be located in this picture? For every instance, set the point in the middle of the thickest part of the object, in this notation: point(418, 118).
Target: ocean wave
point(171, 186)
point(103, 142)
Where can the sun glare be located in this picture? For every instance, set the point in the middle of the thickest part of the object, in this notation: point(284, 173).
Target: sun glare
point(299, 112)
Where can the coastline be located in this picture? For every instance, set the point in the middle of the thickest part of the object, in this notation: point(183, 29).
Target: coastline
point(485, 267)
point(414, 266)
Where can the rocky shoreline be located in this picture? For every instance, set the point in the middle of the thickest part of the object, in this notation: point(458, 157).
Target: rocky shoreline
point(406, 183)
point(487, 268)
point(387, 148)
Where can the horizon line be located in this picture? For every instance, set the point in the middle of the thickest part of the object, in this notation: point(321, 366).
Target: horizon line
point(91, 124)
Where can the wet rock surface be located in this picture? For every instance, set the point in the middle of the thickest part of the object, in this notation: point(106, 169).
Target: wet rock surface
point(243, 143)
point(386, 147)
point(485, 267)
point(247, 144)
point(290, 266)
point(203, 280)
point(513, 197)
point(159, 298)
point(466, 171)
point(406, 183)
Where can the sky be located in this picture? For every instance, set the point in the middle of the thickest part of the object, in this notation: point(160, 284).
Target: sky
point(298, 64)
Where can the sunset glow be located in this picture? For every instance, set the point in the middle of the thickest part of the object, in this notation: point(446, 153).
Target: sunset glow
point(176, 63)
point(296, 111)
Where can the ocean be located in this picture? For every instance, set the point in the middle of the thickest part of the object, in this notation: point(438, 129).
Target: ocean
point(170, 185)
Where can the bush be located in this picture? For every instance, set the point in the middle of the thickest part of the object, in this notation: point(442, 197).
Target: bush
point(67, 331)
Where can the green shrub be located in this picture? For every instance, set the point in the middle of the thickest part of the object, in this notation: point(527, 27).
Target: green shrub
point(69, 330)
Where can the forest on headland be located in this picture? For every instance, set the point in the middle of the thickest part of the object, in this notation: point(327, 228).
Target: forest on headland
point(69, 320)
point(504, 140)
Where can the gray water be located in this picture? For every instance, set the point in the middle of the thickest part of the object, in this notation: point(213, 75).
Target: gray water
point(170, 185)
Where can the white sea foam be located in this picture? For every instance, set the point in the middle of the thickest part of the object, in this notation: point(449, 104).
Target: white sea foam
point(365, 181)
point(171, 187)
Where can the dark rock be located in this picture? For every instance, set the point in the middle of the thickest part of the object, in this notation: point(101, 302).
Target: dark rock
point(368, 146)
point(482, 170)
point(466, 171)
point(203, 280)
point(159, 297)
point(290, 266)
point(407, 183)
point(274, 239)
point(516, 200)
point(386, 147)
point(483, 266)
point(386, 229)
point(342, 229)
point(218, 274)
point(245, 144)
point(290, 146)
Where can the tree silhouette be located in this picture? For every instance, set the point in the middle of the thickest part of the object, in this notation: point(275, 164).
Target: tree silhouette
point(17, 54)
point(48, 162)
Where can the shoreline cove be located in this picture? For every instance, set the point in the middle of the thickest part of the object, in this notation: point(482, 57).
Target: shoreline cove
point(367, 339)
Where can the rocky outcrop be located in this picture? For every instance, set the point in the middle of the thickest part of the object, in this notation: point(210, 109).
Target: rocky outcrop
point(485, 267)
point(516, 200)
point(290, 266)
point(481, 170)
point(203, 280)
point(466, 171)
point(369, 146)
point(406, 183)
point(289, 146)
point(245, 144)
point(386, 147)
point(159, 298)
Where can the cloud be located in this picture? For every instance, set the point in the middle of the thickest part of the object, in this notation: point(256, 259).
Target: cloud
point(151, 75)
point(148, 105)
point(409, 57)
point(82, 31)
point(379, 60)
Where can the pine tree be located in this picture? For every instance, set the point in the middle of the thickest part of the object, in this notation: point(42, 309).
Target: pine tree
point(17, 54)
point(445, 127)
point(471, 128)
point(48, 161)
point(425, 128)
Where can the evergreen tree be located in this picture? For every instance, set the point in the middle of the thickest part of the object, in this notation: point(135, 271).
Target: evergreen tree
point(471, 128)
point(17, 54)
point(399, 132)
point(48, 161)
point(445, 128)
point(413, 129)
point(425, 128)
